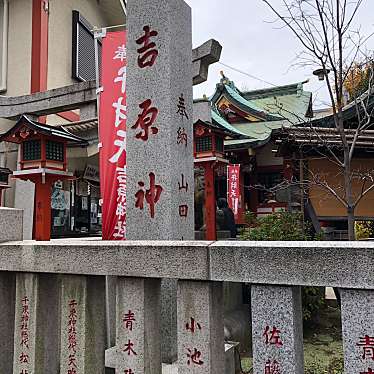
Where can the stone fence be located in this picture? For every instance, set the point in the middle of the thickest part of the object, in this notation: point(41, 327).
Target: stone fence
point(52, 309)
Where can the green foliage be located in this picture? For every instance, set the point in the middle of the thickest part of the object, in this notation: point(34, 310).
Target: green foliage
point(313, 300)
point(336, 366)
point(279, 226)
point(364, 230)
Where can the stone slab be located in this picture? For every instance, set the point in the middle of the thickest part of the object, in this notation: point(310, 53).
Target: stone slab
point(186, 260)
point(202, 111)
point(336, 264)
point(24, 199)
point(200, 328)
point(358, 330)
point(277, 330)
point(11, 224)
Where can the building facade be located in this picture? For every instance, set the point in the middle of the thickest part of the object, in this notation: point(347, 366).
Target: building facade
point(48, 44)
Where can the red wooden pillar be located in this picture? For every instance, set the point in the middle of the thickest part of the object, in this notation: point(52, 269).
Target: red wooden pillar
point(43, 212)
point(210, 202)
point(39, 48)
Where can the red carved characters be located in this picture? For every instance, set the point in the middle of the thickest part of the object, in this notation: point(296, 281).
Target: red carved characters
point(145, 120)
point(194, 357)
point(128, 371)
point(182, 136)
point(367, 344)
point(183, 210)
point(193, 326)
point(272, 337)
point(182, 107)
point(151, 196)
point(272, 367)
point(129, 348)
point(72, 337)
point(182, 185)
point(370, 371)
point(148, 53)
point(25, 317)
point(128, 320)
point(24, 358)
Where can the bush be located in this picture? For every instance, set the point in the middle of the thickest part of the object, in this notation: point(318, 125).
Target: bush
point(364, 230)
point(286, 226)
point(279, 226)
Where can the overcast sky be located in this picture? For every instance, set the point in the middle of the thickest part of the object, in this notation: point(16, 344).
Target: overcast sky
point(255, 46)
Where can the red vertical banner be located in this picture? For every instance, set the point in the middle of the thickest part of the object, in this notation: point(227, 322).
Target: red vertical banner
point(233, 188)
point(112, 135)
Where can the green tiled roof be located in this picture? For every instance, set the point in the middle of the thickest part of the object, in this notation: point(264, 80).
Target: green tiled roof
point(279, 107)
point(222, 122)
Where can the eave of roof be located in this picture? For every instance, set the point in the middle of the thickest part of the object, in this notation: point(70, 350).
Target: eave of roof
point(43, 129)
point(221, 122)
point(233, 95)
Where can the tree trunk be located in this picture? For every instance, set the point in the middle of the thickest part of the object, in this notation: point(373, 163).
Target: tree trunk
point(349, 198)
point(351, 223)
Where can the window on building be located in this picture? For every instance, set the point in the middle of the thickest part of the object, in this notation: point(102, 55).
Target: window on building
point(32, 150)
point(83, 61)
point(204, 144)
point(219, 144)
point(54, 151)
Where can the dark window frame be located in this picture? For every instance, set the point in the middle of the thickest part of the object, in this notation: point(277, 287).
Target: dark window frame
point(51, 151)
point(203, 142)
point(27, 151)
point(80, 22)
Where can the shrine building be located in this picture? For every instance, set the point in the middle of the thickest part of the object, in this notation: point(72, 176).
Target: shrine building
point(251, 118)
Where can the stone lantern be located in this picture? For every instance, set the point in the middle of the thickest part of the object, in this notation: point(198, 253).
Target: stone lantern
point(42, 160)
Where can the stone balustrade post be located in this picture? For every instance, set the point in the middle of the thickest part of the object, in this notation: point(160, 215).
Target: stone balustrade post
point(7, 303)
point(138, 326)
point(82, 347)
point(200, 328)
point(358, 330)
point(277, 329)
point(36, 324)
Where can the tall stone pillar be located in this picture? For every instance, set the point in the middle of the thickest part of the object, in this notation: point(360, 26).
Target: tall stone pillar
point(200, 328)
point(358, 330)
point(159, 134)
point(277, 330)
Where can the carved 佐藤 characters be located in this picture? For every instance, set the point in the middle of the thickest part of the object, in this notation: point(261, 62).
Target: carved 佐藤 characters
point(272, 337)
point(272, 367)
